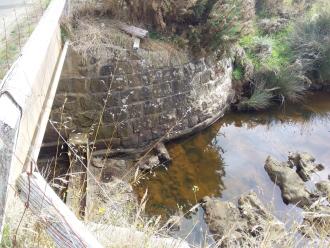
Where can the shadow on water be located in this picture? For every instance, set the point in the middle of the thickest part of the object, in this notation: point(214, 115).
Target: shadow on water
point(227, 159)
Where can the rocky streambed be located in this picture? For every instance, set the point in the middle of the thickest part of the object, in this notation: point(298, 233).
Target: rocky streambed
point(229, 160)
point(232, 184)
point(252, 223)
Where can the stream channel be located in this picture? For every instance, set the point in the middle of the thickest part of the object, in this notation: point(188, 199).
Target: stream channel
point(227, 160)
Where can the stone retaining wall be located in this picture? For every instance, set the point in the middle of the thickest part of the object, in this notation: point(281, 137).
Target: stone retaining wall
point(142, 103)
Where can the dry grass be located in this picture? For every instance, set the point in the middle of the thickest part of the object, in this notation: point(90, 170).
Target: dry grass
point(98, 36)
point(28, 233)
point(89, 38)
point(32, 233)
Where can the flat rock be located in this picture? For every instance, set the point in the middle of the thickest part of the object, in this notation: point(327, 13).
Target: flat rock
point(224, 221)
point(292, 186)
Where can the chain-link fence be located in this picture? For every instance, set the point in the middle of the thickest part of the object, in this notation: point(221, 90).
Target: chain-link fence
point(18, 19)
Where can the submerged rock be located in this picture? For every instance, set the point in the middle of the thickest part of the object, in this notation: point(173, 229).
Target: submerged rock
point(162, 153)
point(237, 226)
point(292, 186)
point(149, 162)
point(305, 164)
point(159, 157)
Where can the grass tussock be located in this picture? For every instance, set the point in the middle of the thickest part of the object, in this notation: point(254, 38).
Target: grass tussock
point(288, 61)
point(260, 99)
point(310, 42)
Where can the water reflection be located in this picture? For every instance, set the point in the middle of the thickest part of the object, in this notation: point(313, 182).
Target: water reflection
point(196, 162)
point(227, 159)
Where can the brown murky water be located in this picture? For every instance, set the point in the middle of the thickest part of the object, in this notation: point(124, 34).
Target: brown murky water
point(228, 158)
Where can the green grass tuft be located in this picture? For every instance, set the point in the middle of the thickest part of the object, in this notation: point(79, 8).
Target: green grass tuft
point(281, 54)
point(6, 241)
point(238, 73)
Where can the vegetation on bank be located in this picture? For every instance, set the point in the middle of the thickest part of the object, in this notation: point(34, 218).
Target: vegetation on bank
point(288, 61)
point(221, 23)
point(207, 26)
point(286, 42)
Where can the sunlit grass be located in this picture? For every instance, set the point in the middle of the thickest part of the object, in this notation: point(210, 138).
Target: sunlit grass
point(13, 39)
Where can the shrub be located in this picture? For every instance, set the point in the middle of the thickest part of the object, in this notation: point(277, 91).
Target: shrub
point(202, 9)
point(270, 51)
point(310, 41)
point(325, 65)
point(218, 24)
point(268, 7)
point(155, 35)
point(224, 25)
point(291, 85)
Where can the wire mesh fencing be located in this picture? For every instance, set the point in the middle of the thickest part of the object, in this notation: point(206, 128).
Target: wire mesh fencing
point(17, 22)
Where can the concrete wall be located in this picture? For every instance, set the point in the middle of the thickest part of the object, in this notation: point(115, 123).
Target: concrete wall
point(144, 103)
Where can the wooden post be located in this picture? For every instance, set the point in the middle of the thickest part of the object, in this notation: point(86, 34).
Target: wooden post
point(136, 44)
point(134, 31)
point(60, 223)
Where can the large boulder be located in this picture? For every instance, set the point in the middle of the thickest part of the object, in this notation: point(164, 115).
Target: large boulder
point(292, 186)
point(111, 167)
point(156, 158)
point(290, 177)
